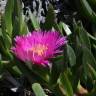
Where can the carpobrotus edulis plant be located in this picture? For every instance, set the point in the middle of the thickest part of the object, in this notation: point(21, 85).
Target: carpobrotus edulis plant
point(37, 47)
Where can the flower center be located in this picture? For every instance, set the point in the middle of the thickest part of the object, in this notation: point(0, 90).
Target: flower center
point(39, 49)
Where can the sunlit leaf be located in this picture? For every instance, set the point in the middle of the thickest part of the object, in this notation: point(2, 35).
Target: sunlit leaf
point(65, 27)
point(34, 21)
point(8, 16)
point(19, 24)
point(38, 90)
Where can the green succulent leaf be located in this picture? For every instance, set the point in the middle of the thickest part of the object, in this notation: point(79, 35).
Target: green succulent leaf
point(65, 27)
point(66, 85)
point(38, 90)
point(34, 21)
point(42, 72)
point(57, 68)
point(92, 3)
point(50, 18)
point(8, 16)
point(88, 56)
point(86, 10)
point(17, 70)
point(6, 39)
point(71, 55)
point(19, 24)
point(88, 60)
point(83, 36)
point(92, 71)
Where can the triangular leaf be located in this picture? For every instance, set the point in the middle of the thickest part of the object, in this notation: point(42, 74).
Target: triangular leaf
point(71, 55)
point(66, 84)
point(38, 90)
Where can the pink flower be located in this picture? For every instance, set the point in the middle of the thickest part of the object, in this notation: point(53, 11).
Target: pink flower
point(37, 47)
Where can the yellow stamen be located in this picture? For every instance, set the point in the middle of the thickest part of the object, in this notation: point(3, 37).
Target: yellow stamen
point(39, 49)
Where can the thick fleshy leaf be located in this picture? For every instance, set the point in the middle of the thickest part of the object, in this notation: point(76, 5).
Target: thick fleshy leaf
point(57, 68)
point(92, 71)
point(65, 27)
point(32, 76)
point(34, 21)
point(88, 56)
point(92, 38)
point(77, 68)
point(66, 85)
point(87, 59)
point(50, 18)
point(16, 70)
point(87, 7)
point(86, 10)
point(38, 90)
point(5, 35)
point(92, 3)
point(24, 28)
point(84, 37)
point(5, 44)
point(8, 16)
point(57, 27)
point(71, 55)
point(4, 49)
point(42, 72)
point(19, 24)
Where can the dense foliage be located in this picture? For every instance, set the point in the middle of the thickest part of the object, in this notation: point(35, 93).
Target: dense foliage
point(71, 73)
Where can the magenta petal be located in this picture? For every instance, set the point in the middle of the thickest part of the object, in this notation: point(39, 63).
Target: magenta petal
point(37, 47)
